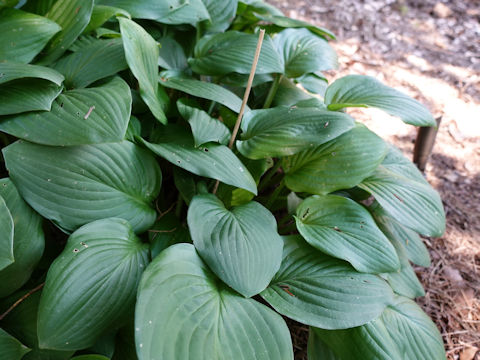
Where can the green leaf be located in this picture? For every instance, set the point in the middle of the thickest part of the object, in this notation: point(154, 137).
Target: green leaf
point(321, 291)
point(28, 240)
point(39, 7)
point(204, 127)
point(241, 246)
point(11, 348)
point(165, 11)
point(365, 91)
point(83, 116)
point(215, 161)
point(12, 71)
point(403, 331)
point(81, 42)
point(344, 229)
point(24, 35)
point(184, 312)
point(233, 51)
point(6, 235)
point(99, 60)
point(409, 240)
point(73, 16)
point(338, 164)
point(221, 14)
point(283, 131)
point(185, 184)
point(24, 95)
point(79, 184)
point(90, 357)
point(172, 56)
point(141, 52)
point(304, 52)
point(287, 22)
point(101, 14)
point(314, 83)
point(8, 3)
point(289, 94)
point(411, 202)
point(91, 285)
point(22, 323)
point(204, 90)
point(317, 350)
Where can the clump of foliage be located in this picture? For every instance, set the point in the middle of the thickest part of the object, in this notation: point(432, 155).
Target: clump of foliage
point(115, 120)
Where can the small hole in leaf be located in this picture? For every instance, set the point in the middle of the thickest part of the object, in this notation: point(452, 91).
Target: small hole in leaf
point(76, 250)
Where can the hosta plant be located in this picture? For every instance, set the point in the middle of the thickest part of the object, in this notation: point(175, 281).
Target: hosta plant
point(136, 224)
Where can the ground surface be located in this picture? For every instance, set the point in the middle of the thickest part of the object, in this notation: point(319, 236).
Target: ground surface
point(431, 50)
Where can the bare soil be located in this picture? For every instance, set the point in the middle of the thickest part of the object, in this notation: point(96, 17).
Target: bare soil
point(431, 50)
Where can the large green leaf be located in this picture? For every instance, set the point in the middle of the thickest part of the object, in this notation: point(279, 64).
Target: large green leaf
point(6, 235)
point(28, 240)
point(24, 95)
point(102, 13)
point(283, 131)
point(221, 14)
point(13, 70)
point(184, 312)
point(344, 229)
point(11, 348)
point(413, 204)
point(365, 91)
point(22, 323)
point(240, 245)
point(79, 184)
point(172, 56)
point(83, 116)
point(204, 127)
point(338, 164)
point(91, 285)
point(73, 16)
point(403, 331)
point(233, 51)
point(317, 350)
point(91, 357)
point(304, 52)
point(215, 161)
point(204, 90)
point(165, 11)
point(321, 291)
point(141, 52)
point(409, 240)
point(286, 22)
point(23, 35)
point(101, 59)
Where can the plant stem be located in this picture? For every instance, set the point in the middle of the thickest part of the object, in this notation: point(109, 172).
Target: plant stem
point(273, 91)
point(275, 194)
point(178, 208)
point(245, 96)
point(270, 173)
point(16, 303)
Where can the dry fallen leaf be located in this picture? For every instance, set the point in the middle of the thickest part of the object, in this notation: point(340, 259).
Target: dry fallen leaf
point(468, 353)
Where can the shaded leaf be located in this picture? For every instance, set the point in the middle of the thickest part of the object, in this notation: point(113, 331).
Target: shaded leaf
point(96, 181)
point(344, 229)
point(197, 317)
point(24, 35)
point(204, 127)
point(101, 14)
point(171, 54)
point(141, 53)
point(28, 240)
point(304, 52)
point(204, 90)
point(233, 51)
point(283, 131)
point(11, 348)
point(77, 117)
point(99, 60)
point(241, 245)
point(91, 285)
point(321, 291)
point(73, 16)
point(215, 161)
point(365, 91)
point(317, 350)
point(338, 164)
point(6, 235)
point(221, 14)
point(287, 22)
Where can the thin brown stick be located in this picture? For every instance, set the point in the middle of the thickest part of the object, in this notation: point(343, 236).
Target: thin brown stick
point(16, 303)
point(245, 96)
